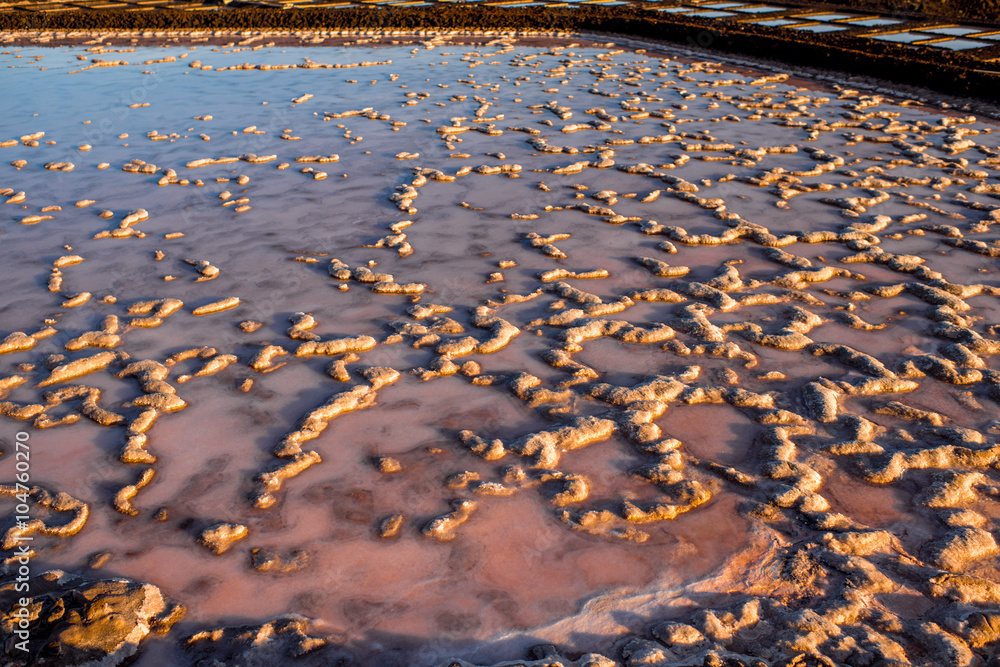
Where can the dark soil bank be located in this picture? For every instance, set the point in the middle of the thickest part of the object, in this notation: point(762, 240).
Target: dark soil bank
point(958, 73)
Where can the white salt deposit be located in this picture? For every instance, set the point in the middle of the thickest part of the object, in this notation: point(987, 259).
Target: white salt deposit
point(723, 342)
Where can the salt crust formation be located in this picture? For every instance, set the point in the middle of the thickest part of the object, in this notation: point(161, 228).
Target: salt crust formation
point(80, 621)
point(763, 315)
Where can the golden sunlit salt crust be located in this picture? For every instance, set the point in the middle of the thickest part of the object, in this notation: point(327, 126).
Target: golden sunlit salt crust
point(40, 497)
point(217, 306)
point(814, 364)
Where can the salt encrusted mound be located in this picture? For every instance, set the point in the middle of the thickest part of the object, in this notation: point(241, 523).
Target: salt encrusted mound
point(79, 622)
point(285, 640)
point(763, 632)
point(221, 537)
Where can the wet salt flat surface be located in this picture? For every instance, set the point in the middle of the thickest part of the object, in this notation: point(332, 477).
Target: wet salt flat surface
point(820, 28)
point(903, 37)
point(960, 44)
point(711, 14)
point(778, 22)
point(763, 9)
point(871, 23)
point(827, 17)
point(437, 344)
point(957, 31)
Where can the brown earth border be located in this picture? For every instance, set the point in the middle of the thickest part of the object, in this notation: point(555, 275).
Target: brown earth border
point(973, 75)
